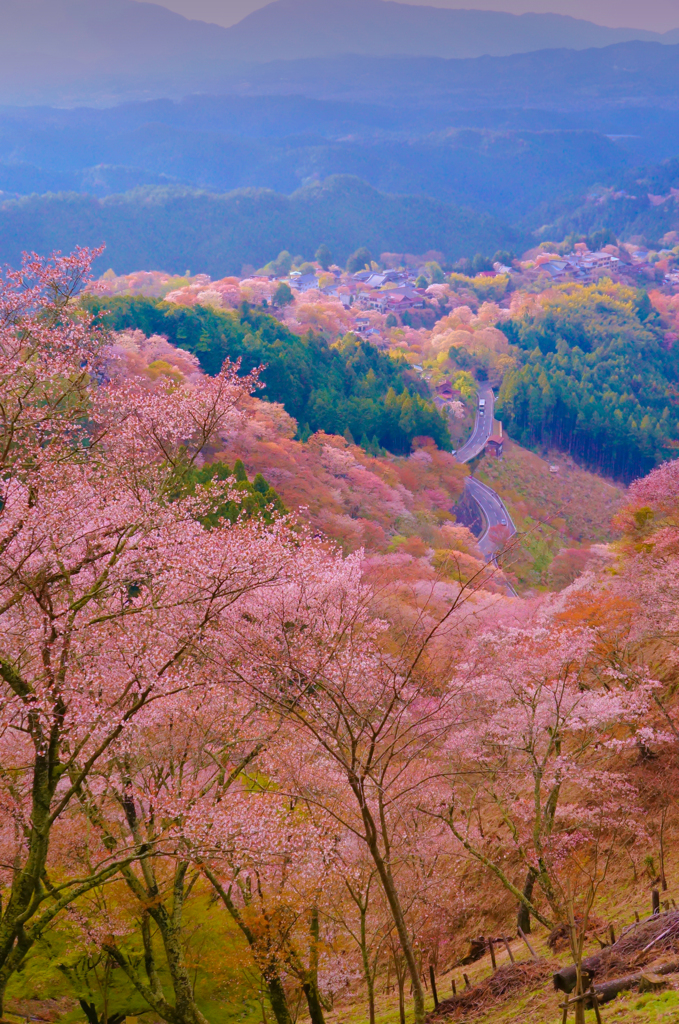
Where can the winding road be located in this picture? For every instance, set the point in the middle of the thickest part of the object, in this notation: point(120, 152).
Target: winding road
point(483, 428)
point(491, 505)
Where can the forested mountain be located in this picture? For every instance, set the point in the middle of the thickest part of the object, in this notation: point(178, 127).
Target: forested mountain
point(641, 204)
point(350, 386)
point(596, 378)
point(266, 645)
point(593, 115)
point(172, 228)
point(106, 152)
point(62, 50)
point(635, 73)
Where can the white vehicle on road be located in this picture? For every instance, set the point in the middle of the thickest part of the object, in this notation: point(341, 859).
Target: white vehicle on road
point(482, 404)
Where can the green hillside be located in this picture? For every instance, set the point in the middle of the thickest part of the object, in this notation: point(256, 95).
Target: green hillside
point(595, 379)
point(348, 387)
point(172, 228)
point(638, 206)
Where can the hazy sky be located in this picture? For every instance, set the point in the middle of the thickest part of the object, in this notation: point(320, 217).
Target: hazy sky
point(657, 15)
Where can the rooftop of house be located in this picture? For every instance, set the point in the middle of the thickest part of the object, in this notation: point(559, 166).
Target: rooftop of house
point(304, 281)
point(556, 267)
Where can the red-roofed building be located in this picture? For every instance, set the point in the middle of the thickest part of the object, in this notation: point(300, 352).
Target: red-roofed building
point(495, 445)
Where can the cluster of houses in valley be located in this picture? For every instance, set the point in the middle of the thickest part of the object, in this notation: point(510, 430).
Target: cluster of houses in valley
point(625, 261)
point(580, 266)
point(389, 291)
point(398, 291)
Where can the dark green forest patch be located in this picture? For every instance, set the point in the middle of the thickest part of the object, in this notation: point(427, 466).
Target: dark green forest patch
point(350, 387)
point(596, 378)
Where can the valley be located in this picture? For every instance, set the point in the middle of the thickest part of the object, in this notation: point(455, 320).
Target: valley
point(339, 499)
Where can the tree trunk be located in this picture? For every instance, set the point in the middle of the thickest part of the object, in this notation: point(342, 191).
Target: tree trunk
point(523, 917)
point(181, 983)
point(90, 1011)
point(371, 1001)
point(270, 975)
point(3, 986)
point(580, 1005)
point(310, 990)
point(310, 985)
point(401, 997)
point(15, 940)
point(278, 999)
point(663, 878)
point(397, 914)
point(369, 980)
point(169, 923)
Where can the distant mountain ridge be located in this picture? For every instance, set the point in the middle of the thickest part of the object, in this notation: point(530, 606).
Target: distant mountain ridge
point(625, 75)
point(324, 28)
point(102, 51)
point(173, 228)
point(209, 144)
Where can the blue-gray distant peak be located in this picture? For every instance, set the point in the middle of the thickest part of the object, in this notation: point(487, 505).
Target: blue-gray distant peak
point(102, 51)
point(289, 29)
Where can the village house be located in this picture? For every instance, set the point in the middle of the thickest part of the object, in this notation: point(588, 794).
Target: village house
point(558, 270)
point(404, 297)
point(495, 445)
point(373, 300)
point(580, 266)
point(594, 262)
point(376, 279)
point(303, 282)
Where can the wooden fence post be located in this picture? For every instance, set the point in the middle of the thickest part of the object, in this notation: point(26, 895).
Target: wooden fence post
point(532, 951)
point(655, 898)
point(491, 947)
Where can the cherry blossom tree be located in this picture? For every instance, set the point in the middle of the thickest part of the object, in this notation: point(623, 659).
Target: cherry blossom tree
point(357, 907)
point(546, 721)
point(184, 793)
point(650, 562)
point(111, 590)
point(165, 796)
point(365, 715)
point(273, 882)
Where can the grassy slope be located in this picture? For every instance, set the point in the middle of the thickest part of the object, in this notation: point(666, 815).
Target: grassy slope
point(540, 1006)
point(568, 509)
point(622, 897)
